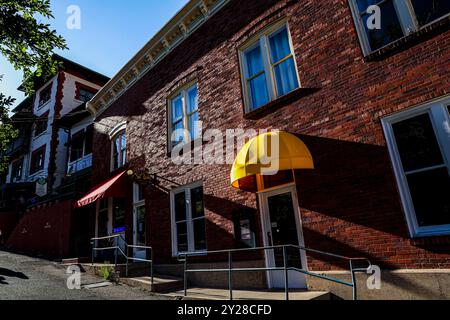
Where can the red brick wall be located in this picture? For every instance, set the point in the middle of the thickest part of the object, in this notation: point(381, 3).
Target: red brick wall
point(350, 203)
point(8, 221)
point(44, 231)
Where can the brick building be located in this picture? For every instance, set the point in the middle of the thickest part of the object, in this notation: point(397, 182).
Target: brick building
point(371, 107)
point(50, 165)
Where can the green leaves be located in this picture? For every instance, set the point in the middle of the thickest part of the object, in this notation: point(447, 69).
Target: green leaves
point(7, 131)
point(27, 43)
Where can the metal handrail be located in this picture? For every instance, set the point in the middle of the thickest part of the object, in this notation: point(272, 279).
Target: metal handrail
point(118, 250)
point(183, 257)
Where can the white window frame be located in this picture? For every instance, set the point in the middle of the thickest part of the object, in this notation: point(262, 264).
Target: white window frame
point(406, 16)
point(115, 133)
point(189, 221)
point(262, 39)
point(183, 94)
point(440, 119)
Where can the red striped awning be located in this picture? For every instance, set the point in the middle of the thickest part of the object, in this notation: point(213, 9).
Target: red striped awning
point(114, 187)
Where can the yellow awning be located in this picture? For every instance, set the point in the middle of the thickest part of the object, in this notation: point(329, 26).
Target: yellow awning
point(269, 153)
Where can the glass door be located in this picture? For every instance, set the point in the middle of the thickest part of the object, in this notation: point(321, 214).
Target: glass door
point(281, 221)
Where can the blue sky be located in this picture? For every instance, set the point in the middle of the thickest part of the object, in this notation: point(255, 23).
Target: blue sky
point(112, 31)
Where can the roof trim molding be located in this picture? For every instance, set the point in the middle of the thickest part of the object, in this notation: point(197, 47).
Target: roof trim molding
point(194, 14)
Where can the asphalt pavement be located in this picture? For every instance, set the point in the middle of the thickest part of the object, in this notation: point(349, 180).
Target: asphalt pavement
point(28, 278)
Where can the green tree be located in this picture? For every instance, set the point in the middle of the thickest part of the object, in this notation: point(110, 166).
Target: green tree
point(7, 132)
point(28, 44)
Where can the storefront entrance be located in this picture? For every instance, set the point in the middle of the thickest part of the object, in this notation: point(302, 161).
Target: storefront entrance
point(281, 226)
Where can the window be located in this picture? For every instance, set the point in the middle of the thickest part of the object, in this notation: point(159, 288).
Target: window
point(118, 215)
point(16, 170)
point(419, 144)
point(81, 144)
point(183, 113)
point(37, 160)
point(45, 95)
point(85, 95)
point(102, 217)
point(399, 18)
point(41, 125)
point(428, 11)
point(188, 219)
point(119, 150)
point(268, 67)
point(77, 146)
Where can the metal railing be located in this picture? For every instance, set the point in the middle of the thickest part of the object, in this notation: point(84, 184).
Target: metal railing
point(285, 268)
point(118, 250)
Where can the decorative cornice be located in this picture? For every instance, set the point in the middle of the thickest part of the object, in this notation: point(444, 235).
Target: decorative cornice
point(180, 27)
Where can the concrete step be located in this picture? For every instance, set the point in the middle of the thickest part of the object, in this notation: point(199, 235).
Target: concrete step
point(161, 284)
point(223, 294)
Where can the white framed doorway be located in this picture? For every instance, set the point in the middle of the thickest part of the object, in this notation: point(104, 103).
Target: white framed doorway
point(281, 224)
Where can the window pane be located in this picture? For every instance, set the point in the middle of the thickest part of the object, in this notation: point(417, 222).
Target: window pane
point(177, 109)
point(254, 61)
point(417, 144)
point(192, 100)
point(123, 142)
point(41, 125)
point(118, 214)
point(116, 146)
point(180, 207)
point(182, 238)
point(430, 192)
point(279, 45)
point(76, 149)
point(364, 4)
point(286, 77)
point(116, 154)
point(193, 130)
point(85, 95)
point(140, 224)
point(197, 202)
point(179, 137)
point(139, 193)
point(258, 91)
point(390, 27)
point(429, 10)
point(199, 234)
